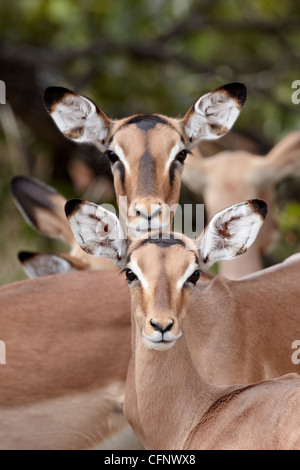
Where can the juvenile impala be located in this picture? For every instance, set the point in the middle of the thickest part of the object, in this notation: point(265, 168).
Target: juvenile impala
point(43, 208)
point(168, 400)
point(229, 177)
point(146, 152)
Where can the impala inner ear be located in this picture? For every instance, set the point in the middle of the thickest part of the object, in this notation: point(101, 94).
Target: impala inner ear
point(213, 115)
point(231, 232)
point(77, 117)
point(45, 264)
point(97, 231)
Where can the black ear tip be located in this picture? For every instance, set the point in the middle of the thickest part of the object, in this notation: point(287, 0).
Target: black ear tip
point(15, 182)
point(25, 255)
point(54, 94)
point(237, 90)
point(72, 206)
point(259, 206)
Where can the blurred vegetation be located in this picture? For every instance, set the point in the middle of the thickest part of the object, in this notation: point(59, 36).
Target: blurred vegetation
point(139, 56)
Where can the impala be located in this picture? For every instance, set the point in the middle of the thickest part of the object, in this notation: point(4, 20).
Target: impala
point(43, 208)
point(168, 400)
point(229, 177)
point(146, 152)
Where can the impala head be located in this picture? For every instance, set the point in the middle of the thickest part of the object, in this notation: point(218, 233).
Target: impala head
point(146, 152)
point(162, 272)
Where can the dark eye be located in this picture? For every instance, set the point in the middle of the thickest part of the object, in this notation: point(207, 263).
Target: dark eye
point(194, 278)
point(181, 156)
point(112, 156)
point(130, 276)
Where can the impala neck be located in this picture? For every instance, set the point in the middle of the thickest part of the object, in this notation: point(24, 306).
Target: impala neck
point(249, 263)
point(169, 396)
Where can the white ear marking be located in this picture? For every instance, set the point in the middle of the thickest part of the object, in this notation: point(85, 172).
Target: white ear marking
point(231, 232)
point(77, 117)
point(214, 114)
point(98, 231)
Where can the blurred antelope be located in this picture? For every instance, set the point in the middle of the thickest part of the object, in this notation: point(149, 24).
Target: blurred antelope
point(168, 400)
point(232, 176)
point(43, 208)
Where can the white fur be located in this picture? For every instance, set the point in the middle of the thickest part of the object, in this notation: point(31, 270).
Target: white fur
point(241, 233)
point(119, 152)
point(138, 272)
point(98, 232)
point(186, 275)
point(76, 111)
point(214, 108)
point(175, 150)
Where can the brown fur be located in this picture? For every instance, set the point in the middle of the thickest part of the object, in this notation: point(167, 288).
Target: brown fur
point(170, 399)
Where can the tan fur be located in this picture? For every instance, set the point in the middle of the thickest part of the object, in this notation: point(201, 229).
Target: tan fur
point(230, 177)
point(63, 382)
point(230, 331)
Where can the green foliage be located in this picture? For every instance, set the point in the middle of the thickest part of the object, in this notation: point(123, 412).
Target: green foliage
point(140, 56)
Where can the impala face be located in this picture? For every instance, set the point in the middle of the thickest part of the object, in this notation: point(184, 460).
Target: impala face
point(146, 152)
point(161, 275)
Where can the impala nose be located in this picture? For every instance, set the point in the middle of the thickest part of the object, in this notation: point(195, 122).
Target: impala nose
point(159, 327)
point(145, 213)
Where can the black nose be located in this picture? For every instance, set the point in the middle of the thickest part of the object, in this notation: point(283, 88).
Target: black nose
point(162, 329)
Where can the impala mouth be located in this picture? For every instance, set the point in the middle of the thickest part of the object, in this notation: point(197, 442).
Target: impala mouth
point(160, 342)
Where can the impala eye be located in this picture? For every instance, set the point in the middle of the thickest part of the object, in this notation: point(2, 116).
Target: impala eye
point(113, 158)
point(181, 156)
point(194, 278)
point(130, 276)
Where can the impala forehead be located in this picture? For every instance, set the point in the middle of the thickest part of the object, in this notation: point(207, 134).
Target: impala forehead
point(153, 259)
point(158, 140)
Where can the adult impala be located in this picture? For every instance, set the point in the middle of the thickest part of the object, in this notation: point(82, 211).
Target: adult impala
point(168, 400)
point(246, 336)
point(64, 378)
point(146, 152)
point(229, 177)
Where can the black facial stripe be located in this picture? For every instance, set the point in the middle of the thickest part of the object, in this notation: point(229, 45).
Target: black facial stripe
point(120, 166)
point(164, 242)
point(146, 122)
point(147, 174)
point(172, 172)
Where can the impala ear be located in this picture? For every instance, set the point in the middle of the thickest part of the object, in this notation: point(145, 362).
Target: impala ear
point(42, 207)
point(77, 117)
point(98, 231)
point(213, 115)
point(231, 232)
point(283, 160)
point(44, 264)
